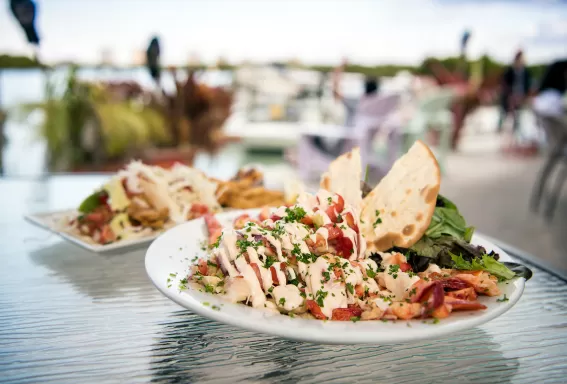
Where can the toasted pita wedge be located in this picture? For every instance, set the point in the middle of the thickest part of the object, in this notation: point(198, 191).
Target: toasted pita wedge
point(343, 178)
point(404, 200)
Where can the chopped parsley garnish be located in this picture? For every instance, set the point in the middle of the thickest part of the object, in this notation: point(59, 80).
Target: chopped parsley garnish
point(340, 219)
point(195, 258)
point(330, 200)
point(217, 243)
point(294, 214)
point(220, 283)
point(282, 301)
point(211, 264)
point(411, 273)
point(412, 292)
point(378, 219)
point(214, 307)
point(173, 274)
point(270, 260)
point(206, 303)
point(370, 273)
point(350, 288)
point(393, 270)
point(182, 284)
point(327, 276)
point(244, 244)
point(354, 319)
point(294, 281)
point(436, 321)
point(302, 294)
point(278, 230)
point(503, 299)
point(303, 257)
point(320, 296)
point(426, 278)
point(271, 289)
point(209, 288)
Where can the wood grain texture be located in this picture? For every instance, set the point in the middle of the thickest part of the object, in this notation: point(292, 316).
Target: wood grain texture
point(71, 316)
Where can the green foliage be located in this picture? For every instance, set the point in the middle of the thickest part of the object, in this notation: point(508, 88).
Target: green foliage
point(8, 62)
point(123, 126)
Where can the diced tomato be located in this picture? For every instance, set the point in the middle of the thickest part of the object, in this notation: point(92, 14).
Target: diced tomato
point(346, 314)
point(258, 274)
point(404, 267)
point(343, 247)
point(96, 217)
point(349, 218)
point(203, 267)
point(334, 231)
point(198, 210)
point(335, 208)
point(274, 275)
point(283, 267)
point(332, 213)
point(214, 228)
point(359, 290)
point(241, 220)
point(103, 198)
point(106, 235)
point(275, 218)
point(338, 272)
point(315, 310)
point(307, 220)
point(264, 213)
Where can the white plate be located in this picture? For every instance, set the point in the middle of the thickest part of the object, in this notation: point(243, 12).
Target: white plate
point(173, 251)
point(50, 221)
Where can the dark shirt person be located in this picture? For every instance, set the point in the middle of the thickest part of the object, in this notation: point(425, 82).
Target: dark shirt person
point(516, 82)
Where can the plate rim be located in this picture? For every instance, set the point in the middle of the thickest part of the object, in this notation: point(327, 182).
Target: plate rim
point(319, 334)
point(37, 220)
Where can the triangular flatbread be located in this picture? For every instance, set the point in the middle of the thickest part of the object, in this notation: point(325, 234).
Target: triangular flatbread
point(343, 178)
point(404, 200)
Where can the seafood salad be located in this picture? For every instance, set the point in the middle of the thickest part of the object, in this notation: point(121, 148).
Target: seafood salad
point(329, 257)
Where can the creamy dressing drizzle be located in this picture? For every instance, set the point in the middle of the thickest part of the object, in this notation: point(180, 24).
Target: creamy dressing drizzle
point(282, 240)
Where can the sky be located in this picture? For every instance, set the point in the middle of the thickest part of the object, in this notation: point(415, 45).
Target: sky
point(368, 32)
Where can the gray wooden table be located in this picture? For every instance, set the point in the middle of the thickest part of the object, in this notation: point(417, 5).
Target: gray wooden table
point(71, 316)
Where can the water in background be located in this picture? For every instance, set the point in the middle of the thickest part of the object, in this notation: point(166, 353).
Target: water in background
point(24, 153)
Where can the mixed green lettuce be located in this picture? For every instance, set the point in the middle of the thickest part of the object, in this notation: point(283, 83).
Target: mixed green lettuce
point(447, 244)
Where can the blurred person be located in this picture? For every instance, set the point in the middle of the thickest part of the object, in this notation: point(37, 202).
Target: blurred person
point(516, 81)
point(370, 89)
point(550, 100)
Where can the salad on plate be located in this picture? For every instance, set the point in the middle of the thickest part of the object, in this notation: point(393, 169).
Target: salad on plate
point(142, 200)
point(347, 253)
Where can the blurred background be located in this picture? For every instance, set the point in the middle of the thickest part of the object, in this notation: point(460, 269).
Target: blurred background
point(86, 86)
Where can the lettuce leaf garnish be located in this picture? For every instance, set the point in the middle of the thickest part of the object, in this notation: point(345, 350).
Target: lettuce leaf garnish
point(485, 263)
point(91, 202)
point(447, 220)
